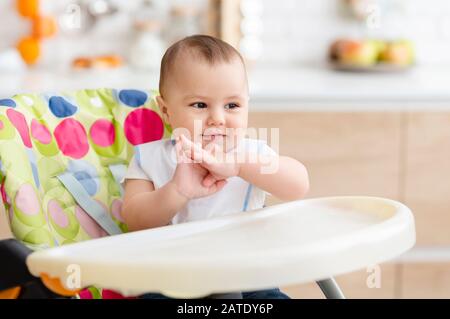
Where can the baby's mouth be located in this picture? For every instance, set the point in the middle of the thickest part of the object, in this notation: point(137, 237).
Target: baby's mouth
point(213, 137)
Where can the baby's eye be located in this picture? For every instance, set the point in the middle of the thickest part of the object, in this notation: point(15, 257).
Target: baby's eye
point(199, 105)
point(231, 106)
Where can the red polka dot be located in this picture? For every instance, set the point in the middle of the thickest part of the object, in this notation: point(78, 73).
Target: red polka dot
point(85, 294)
point(143, 126)
point(19, 122)
point(40, 132)
point(110, 294)
point(2, 190)
point(71, 138)
point(102, 133)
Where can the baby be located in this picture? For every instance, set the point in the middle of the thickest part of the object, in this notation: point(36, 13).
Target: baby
point(209, 168)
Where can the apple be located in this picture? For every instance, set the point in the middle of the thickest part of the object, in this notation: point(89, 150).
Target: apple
point(335, 49)
point(359, 53)
point(380, 45)
point(399, 53)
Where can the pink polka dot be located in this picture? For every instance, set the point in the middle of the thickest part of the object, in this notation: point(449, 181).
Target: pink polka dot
point(57, 214)
point(71, 138)
point(116, 209)
point(142, 126)
point(26, 200)
point(102, 133)
point(40, 132)
point(19, 122)
point(1, 125)
point(89, 225)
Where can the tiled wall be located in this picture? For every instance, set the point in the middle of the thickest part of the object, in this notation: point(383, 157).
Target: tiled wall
point(294, 31)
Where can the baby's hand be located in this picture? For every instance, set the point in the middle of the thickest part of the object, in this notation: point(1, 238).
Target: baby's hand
point(220, 165)
point(189, 177)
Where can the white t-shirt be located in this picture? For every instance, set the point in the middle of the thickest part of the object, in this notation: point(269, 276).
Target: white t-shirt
point(156, 162)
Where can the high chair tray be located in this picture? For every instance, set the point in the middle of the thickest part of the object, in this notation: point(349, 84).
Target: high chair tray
point(295, 242)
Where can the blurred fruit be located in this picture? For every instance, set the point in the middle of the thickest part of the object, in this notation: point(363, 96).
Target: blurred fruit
point(43, 27)
point(358, 53)
point(371, 52)
point(399, 53)
point(29, 49)
point(28, 8)
point(82, 63)
point(380, 45)
point(336, 49)
point(103, 61)
point(107, 61)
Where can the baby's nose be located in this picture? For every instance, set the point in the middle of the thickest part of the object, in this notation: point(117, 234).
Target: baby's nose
point(216, 118)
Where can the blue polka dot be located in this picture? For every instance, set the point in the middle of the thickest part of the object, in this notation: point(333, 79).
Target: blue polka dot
point(34, 170)
point(7, 102)
point(86, 174)
point(60, 107)
point(35, 175)
point(133, 98)
point(88, 183)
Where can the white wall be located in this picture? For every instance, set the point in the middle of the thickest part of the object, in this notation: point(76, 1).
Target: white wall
point(299, 31)
point(295, 31)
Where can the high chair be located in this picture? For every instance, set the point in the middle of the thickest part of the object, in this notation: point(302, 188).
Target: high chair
point(62, 157)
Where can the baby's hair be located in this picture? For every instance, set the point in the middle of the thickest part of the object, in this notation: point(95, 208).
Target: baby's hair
point(208, 48)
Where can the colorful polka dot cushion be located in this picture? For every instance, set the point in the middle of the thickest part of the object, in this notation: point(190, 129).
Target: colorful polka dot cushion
point(82, 133)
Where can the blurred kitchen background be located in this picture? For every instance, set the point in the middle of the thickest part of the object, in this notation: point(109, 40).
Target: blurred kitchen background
point(360, 90)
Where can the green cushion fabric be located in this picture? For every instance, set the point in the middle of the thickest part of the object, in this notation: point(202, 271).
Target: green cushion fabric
point(82, 132)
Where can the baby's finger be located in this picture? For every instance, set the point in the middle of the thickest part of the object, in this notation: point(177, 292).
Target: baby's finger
point(208, 158)
point(189, 148)
point(187, 143)
point(217, 186)
point(209, 180)
point(197, 152)
point(178, 150)
point(221, 184)
point(181, 156)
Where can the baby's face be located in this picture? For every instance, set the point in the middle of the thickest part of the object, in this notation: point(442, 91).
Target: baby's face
point(209, 101)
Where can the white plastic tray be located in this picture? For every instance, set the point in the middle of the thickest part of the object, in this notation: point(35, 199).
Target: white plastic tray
point(291, 243)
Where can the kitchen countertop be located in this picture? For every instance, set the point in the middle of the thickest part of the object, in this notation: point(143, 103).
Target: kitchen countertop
point(313, 88)
point(321, 88)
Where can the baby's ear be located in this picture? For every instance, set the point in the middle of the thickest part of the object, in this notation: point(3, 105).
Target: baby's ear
point(163, 108)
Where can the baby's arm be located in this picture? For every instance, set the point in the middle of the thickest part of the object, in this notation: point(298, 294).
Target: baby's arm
point(288, 181)
point(144, 207)
point(282, 176)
